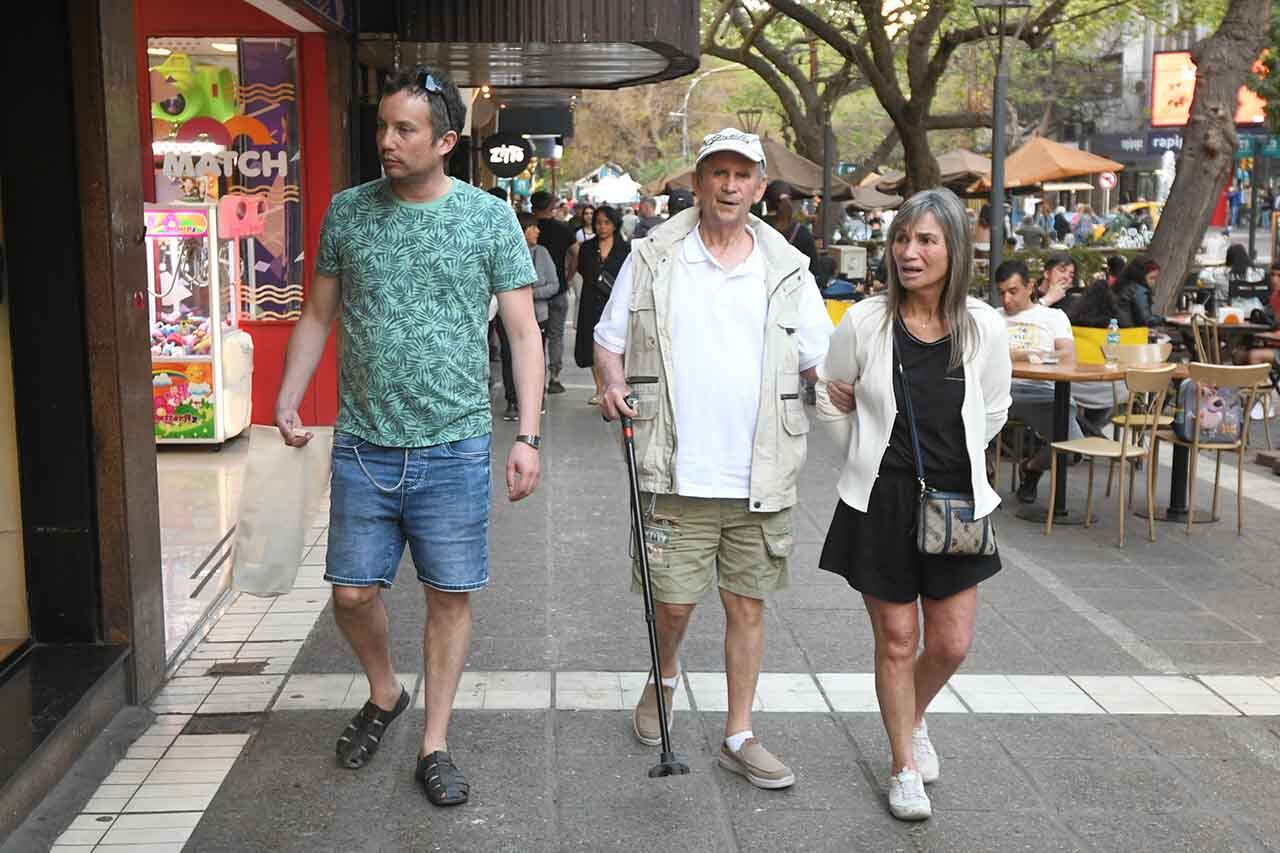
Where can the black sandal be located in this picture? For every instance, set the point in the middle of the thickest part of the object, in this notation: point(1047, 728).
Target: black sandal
point(442, 780)
point(362, 736)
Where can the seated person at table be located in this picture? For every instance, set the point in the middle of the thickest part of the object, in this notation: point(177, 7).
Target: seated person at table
point(1270, 316)
point(1057, 280)
point(1133, 293)
point(1036, 332)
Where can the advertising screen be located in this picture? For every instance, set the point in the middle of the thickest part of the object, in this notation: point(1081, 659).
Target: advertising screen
point(1173, 82)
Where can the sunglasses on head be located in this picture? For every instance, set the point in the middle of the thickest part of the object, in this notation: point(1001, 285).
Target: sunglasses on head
point(432, 86)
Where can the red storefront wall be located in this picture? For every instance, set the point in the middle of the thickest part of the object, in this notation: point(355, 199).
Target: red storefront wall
point(234, 18)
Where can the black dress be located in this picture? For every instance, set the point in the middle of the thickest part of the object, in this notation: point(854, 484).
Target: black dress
point(591, 301)
point(875, 551)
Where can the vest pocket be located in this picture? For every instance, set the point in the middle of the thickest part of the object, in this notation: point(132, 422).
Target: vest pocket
point(794, 419)
point(646, 405)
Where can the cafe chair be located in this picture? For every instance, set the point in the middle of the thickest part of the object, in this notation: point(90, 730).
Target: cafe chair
point(1019, 430)
point(1135, 355)
point(1245, 379)
point(1204, 331)
point(1147, 389)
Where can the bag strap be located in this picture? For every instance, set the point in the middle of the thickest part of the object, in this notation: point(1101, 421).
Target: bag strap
point(906, 397)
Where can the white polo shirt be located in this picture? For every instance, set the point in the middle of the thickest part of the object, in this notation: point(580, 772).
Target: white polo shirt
point(717, 330)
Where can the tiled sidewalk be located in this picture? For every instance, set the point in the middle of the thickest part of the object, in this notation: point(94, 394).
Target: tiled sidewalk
point(1113, 700)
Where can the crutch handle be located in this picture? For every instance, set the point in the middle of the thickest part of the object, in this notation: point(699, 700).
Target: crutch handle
point(630, 400)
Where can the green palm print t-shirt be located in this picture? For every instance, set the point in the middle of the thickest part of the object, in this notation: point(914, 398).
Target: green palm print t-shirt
point(416, 281)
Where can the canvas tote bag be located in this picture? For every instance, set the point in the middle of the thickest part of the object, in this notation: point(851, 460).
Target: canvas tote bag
point(282, 487)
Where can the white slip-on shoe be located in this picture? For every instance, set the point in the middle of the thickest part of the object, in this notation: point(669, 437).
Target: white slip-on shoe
point(923, 752)
point(907, 799)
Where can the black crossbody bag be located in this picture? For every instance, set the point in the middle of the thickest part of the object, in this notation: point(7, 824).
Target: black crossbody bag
point(944, 520)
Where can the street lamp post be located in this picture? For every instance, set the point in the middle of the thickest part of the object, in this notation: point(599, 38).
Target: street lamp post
point(684, 109)
point(749, 119)
point(993, 17)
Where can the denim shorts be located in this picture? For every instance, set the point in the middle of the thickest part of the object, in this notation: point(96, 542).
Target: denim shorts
point(434, 498)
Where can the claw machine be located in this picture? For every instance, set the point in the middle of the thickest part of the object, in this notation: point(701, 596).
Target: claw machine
point(201, 360)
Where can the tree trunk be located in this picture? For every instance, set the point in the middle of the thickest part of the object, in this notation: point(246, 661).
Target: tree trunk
point(878, 156)
point(808, 138)
point(921, 166)
point(1208, 142)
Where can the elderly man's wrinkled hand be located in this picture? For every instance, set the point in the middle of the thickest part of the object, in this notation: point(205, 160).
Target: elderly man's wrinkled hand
point(613, 403)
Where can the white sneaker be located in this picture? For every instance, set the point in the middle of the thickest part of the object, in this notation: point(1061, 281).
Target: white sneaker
point(923, 752)
point(907, 799)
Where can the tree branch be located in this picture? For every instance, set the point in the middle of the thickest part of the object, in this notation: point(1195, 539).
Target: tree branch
point(775, 56)
point(957, 121)
point(882, 79)
point(796, 114)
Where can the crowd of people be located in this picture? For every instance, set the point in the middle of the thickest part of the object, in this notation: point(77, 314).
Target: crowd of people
point(704, 327)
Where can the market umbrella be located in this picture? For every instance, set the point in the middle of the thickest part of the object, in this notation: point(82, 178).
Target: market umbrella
point(868, 198)
point(1043, 160)
point(958, 169)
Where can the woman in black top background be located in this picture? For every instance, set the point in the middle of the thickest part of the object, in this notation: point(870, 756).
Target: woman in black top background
point(603, 253)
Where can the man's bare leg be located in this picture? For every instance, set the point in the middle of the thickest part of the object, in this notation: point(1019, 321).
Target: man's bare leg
point(362, 618)
point(445, 640)
point(743, 650)
point(671, 620)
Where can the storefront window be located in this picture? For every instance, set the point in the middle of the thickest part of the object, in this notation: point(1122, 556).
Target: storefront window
point(225, 134)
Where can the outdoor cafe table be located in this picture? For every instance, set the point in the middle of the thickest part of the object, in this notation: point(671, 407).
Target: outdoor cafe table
point(1228, 333)
point(1062, 375)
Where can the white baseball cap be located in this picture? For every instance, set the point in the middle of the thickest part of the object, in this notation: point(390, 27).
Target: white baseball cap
point(732, 139)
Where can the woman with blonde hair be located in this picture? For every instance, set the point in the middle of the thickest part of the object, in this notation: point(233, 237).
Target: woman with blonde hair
point(924, 347)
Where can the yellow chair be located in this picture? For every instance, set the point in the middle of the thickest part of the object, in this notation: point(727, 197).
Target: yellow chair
point(1243, 378)
point(1090, 340)
point(836, 309)
point(1149, 385)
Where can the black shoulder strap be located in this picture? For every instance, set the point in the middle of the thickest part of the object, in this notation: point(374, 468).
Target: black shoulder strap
point(911, 415)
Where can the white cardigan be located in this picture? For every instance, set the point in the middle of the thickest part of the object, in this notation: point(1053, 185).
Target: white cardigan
point(861, 352)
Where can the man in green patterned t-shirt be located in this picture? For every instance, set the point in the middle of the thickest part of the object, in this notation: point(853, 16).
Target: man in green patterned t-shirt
point(408, 263)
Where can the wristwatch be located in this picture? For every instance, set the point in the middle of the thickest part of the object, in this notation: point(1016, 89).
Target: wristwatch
point(534, 441)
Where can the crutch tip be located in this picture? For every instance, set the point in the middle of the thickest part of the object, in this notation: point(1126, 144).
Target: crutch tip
point(668, 765)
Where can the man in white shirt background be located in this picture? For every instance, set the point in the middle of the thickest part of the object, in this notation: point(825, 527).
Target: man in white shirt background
point(1037, 334)
point(721, 317)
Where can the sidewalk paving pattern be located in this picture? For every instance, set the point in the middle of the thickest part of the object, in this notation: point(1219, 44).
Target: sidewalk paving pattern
point(1114, 699)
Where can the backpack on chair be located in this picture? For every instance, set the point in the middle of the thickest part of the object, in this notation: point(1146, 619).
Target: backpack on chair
point(1220, 412)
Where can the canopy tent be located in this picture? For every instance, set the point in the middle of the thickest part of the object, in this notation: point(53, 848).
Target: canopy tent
point(958, 169)
point(781, 163)
point(607, 184)
point(1043, 160)
point(868, 198)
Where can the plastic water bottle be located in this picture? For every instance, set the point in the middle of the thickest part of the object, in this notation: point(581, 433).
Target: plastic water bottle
point(1113, 341)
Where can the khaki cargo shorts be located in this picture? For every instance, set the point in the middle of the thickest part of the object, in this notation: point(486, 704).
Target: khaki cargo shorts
point(692, 541)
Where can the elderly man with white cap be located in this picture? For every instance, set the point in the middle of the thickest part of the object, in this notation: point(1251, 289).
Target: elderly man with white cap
point(711, 324)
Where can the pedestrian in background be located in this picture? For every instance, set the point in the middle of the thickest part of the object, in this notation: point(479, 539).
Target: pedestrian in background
point(557, 238)
point(720, 436)
point(544, 290)
point(599, 261)
point(586, 223)
point(407, 264)
point(780, 212)
point(954, 359)
point(649, 218)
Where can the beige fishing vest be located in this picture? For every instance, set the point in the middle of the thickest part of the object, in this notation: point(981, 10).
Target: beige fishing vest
point(781, 425)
